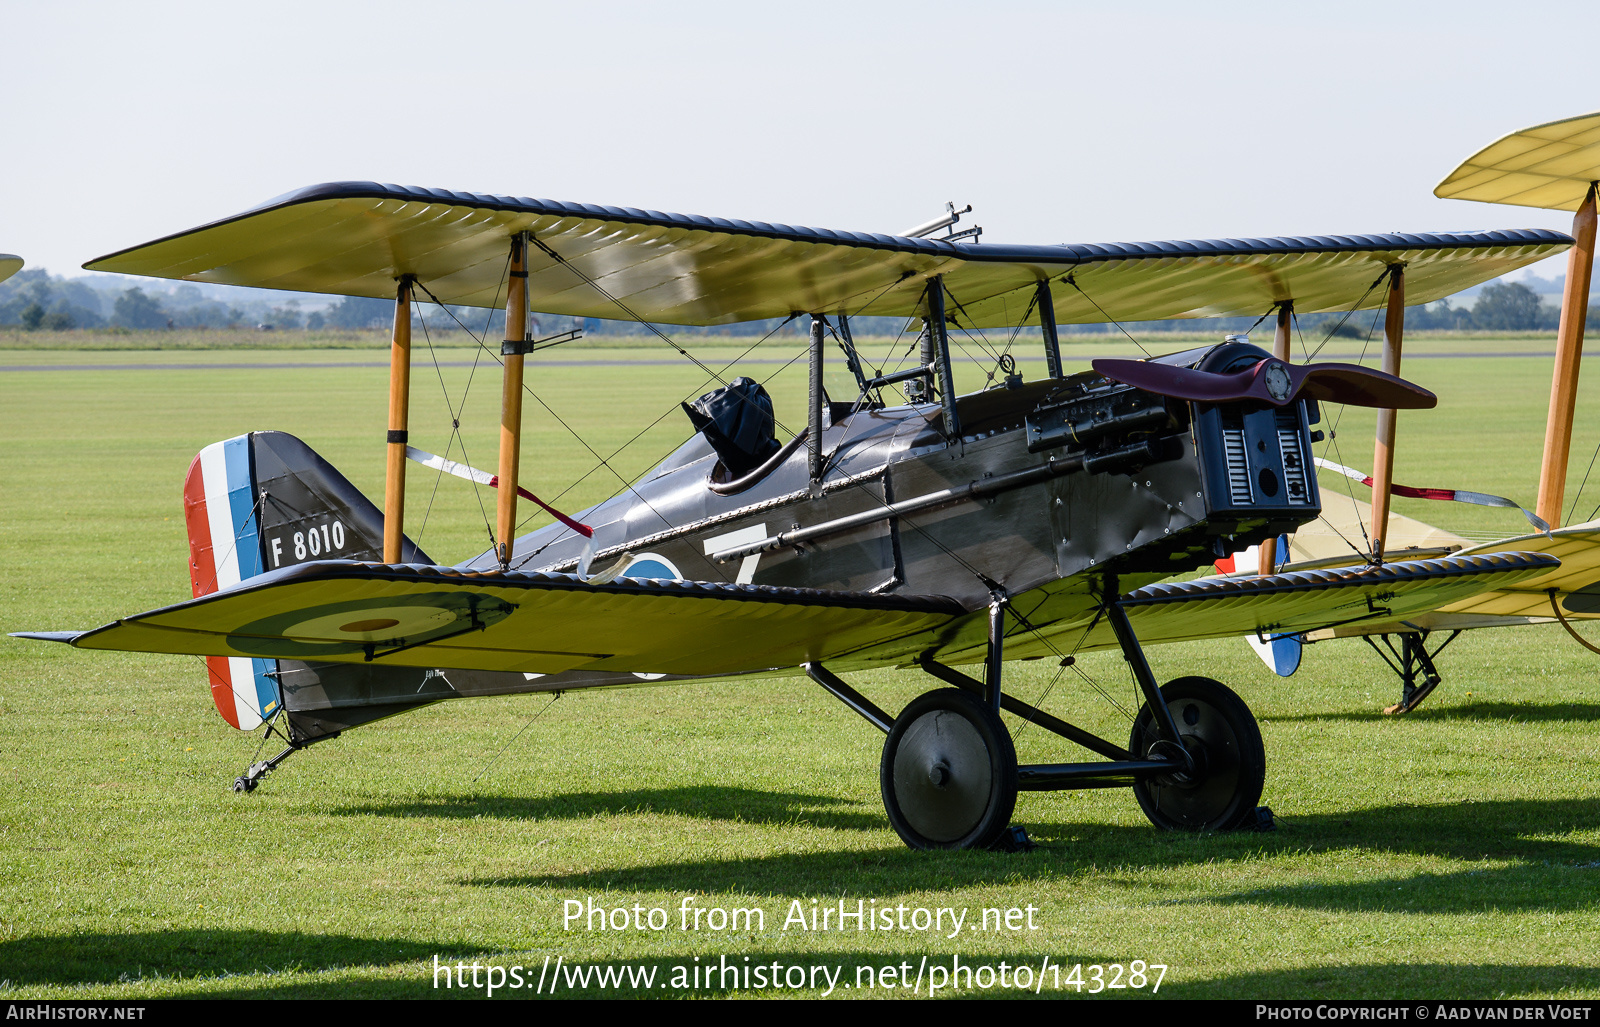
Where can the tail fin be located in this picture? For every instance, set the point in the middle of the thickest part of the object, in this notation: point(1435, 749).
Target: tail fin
point(258, 502)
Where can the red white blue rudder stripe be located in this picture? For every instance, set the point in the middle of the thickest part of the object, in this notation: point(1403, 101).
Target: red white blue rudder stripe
point(219, 509)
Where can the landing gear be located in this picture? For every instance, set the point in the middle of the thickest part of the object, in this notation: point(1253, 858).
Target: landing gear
point(950, 776)
point(1411, 662)
point(949, 772)
point(251, 778)
point(1224, 747)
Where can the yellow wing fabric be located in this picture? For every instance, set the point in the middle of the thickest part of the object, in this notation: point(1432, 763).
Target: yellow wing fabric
point(1065, 617)
point(1578, 549)
point(357, 238)
point(1549, 166)
point(1304, 600)
point(535, 623)
point(547, 623)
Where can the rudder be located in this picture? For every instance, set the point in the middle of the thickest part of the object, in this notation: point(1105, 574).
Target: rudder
point(252, 504)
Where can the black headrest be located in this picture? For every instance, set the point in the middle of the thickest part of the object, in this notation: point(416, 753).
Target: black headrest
point(737, 420)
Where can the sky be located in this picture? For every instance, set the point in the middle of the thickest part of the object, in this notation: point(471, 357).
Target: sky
point(1058, 122)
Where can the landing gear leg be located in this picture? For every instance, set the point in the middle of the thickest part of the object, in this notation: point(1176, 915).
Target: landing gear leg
point(949, 769)
point(1208, 734)
point(1410, 662)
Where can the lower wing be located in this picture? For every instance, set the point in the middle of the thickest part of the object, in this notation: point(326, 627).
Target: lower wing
point(408, 615)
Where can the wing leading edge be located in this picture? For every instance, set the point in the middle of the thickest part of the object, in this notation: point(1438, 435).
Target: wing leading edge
point(416, 616)
point(356, 238)
point(420, 616)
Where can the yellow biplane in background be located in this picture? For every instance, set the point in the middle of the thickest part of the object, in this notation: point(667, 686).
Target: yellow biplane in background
point(907, 526)
point(1554, 166)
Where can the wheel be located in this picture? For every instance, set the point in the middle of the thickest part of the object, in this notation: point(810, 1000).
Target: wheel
point(949, 772)
point(1221, 736)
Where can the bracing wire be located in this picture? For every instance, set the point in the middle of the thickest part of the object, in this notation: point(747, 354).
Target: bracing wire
point(1072, 280)
point(456, 437)
point(519, 734)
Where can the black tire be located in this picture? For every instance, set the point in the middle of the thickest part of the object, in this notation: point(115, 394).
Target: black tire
point(1221, 734)
point(949, 772)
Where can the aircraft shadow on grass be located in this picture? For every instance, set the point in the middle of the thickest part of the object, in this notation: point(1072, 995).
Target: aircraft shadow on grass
point(704, 802)
point(1504, 712)
point(189, 962)
point(154, 957)
point(1547, 873)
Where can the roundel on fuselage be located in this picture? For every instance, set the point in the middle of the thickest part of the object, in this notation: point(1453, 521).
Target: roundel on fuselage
point(651, 565)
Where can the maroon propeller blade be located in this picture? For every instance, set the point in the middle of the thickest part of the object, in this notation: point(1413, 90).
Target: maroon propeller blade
point(1272, 381)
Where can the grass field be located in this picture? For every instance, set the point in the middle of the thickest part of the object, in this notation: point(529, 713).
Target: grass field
point(1451, 853)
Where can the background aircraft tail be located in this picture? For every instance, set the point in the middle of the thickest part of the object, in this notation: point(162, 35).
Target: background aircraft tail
point(255, 503)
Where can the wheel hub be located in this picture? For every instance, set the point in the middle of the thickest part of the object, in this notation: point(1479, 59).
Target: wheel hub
point(949, 772)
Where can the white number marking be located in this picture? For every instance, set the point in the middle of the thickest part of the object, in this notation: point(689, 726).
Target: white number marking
point(742, 537)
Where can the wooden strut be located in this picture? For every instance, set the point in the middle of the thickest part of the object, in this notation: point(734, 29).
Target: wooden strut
point(511, 400)
point(1268, 562)
point(1383, 446)
point(394, 487)
point(1569, 354)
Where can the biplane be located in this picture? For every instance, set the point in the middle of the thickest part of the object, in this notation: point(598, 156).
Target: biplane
point(1555, 166)
point(908, 526)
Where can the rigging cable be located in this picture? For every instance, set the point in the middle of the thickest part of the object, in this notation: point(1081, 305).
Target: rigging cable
point(627, 485)
point(1072, 280)
point(1340, 324)
point(516, 736)
point(455, 415)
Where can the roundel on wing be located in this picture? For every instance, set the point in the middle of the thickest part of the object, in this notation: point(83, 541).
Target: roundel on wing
point(651, 565)
point(381, 623)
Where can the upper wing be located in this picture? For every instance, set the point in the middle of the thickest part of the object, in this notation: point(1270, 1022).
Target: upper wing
point(417, 616)
point(1549, 165)
point(356, 238)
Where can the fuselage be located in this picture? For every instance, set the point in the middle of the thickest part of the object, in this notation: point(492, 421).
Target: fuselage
point(1164, 487)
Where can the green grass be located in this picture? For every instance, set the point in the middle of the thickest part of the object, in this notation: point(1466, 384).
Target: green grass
point(1451, 853)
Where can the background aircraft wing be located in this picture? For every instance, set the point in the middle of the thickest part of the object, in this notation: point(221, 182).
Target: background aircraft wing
point(1549, 166)
point(1576, 581)
point(419, 616)
point(622, 263)
point(1511, 602)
